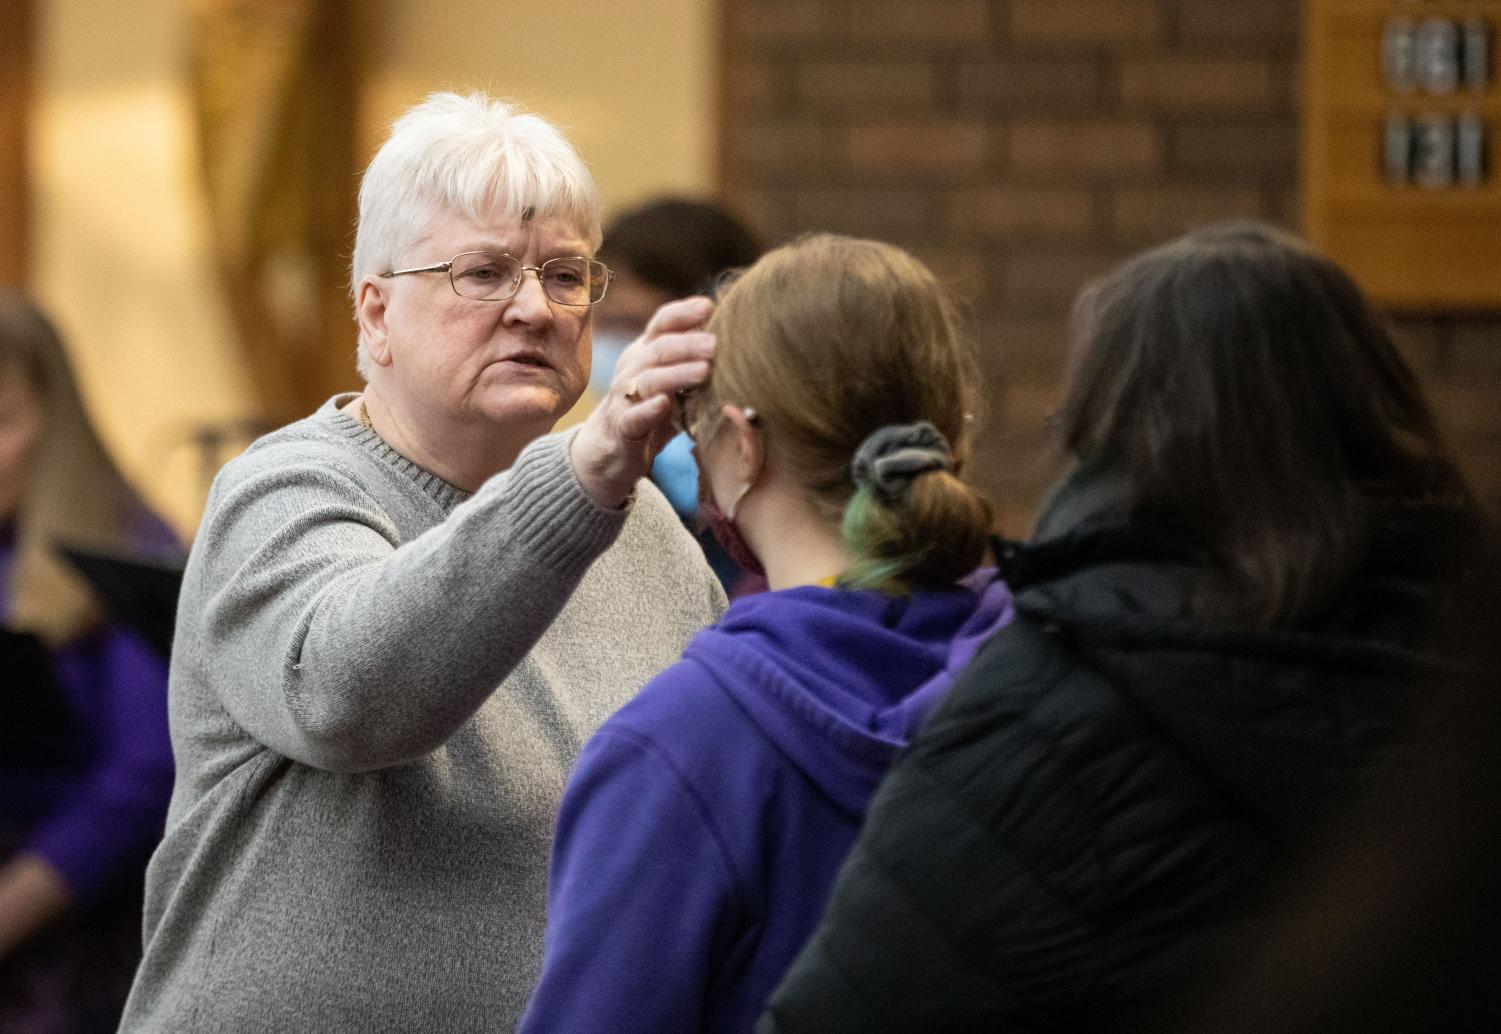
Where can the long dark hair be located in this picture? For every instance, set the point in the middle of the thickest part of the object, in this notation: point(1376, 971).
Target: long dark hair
point(76, 495)
point(1258, 406)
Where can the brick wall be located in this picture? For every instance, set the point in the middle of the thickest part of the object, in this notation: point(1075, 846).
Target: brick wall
point(1022, 147)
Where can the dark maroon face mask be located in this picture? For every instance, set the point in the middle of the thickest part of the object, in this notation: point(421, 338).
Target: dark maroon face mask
point(722, 528)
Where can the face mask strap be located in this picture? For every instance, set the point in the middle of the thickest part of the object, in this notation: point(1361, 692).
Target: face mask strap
point(735, 503)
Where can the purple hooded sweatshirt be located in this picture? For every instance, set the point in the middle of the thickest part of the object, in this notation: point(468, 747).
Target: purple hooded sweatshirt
point(96, 809)
point(704, 823)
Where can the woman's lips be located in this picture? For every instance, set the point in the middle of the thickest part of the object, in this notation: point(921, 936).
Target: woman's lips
point(535, 361)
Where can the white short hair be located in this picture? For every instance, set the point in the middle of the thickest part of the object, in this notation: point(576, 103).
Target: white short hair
point(475, 156)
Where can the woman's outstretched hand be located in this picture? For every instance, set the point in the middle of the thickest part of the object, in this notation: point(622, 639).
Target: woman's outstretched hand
point(614, 447)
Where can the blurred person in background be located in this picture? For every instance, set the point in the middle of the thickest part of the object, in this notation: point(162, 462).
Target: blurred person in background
point(705, 821)
point(85, 760)
point(1222, 617)
point(662, 250)
point(404, 614)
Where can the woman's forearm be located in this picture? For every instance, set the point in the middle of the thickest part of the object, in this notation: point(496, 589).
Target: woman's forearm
point(32, 894)
point(340, 651)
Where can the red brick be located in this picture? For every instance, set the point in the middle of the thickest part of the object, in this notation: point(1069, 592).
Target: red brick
point(1084, 147)
point(908, 23)
point(1024, 366)
point(1040, 282)
point(1045, 84)
point(1143, 114)
point(1284, 207)
point(756, 85)
point(1475, 354)
point(1014, 466)
point(1026, 444)
point(865, 211)
point(775, 145)
point(1019, 466)
point(1010, 517)
point(1198, 84)
point(931, 146)
point(1417, 339)
point(1031, 351)
point(1164, 211)
point(767, 212)
point(1466, 411)
point(781, 21)
point(1086, 23)
point(1287, 87)
point(1274, 24)
point(961, 270)
point(1031, 403)
point(865, 82)
point(1241, 148)
point(1480, 461)
point(1008, 210)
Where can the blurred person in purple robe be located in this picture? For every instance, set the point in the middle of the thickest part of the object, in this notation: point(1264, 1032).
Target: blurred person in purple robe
point(85, 759)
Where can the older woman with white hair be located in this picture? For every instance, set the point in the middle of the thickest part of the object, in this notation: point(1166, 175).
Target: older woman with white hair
point(405, 613)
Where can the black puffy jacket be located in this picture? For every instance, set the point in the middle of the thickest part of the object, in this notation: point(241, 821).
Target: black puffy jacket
point(1107, 784)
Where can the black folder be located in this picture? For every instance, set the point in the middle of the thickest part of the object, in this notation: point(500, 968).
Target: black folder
point(33, 714)
point(140, 594)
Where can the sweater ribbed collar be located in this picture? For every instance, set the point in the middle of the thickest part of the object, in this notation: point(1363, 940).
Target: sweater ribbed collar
point(332, 415)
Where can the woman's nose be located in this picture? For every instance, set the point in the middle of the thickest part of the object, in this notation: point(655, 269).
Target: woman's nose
point(530, 302)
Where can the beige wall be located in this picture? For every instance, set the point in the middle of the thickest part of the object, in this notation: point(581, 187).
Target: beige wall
point(632, 83)
point(121, 254)
point(120, 251)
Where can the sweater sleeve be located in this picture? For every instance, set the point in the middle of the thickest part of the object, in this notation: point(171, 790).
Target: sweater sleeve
point(338, 645)
point(642, 898)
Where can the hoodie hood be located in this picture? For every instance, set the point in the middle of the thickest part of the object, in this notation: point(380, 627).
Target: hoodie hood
point(840, 680)
point(1262, 713)
point(1092, 564)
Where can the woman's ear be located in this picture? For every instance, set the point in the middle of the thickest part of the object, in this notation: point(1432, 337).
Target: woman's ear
point(750, 450)
point(371, 310)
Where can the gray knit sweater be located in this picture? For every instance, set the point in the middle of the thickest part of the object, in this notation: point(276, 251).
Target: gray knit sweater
point(359, 833)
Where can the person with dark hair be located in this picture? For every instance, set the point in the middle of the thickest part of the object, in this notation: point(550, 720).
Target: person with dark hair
point(1222, 615)
point(662, 250)
point(85, 760)
point(704, 823)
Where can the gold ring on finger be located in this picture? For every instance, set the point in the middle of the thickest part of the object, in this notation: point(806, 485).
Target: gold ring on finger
point(632, 392)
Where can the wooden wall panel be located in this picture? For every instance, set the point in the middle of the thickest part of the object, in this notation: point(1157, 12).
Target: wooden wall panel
point(1412, 247)
point(15, 106)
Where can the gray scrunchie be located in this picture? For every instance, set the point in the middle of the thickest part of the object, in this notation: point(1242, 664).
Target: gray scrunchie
point(892, 456)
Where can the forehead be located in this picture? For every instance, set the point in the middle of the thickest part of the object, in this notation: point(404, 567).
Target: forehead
point(547, 235)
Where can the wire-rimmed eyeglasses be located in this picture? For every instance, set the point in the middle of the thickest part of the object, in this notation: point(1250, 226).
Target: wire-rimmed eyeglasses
point(489, 276)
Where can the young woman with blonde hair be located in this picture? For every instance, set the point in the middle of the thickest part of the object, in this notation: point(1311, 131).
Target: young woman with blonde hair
point(705, 821)
point(85, 762)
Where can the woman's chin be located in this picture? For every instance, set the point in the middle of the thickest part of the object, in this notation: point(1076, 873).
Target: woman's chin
point(518, 405)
